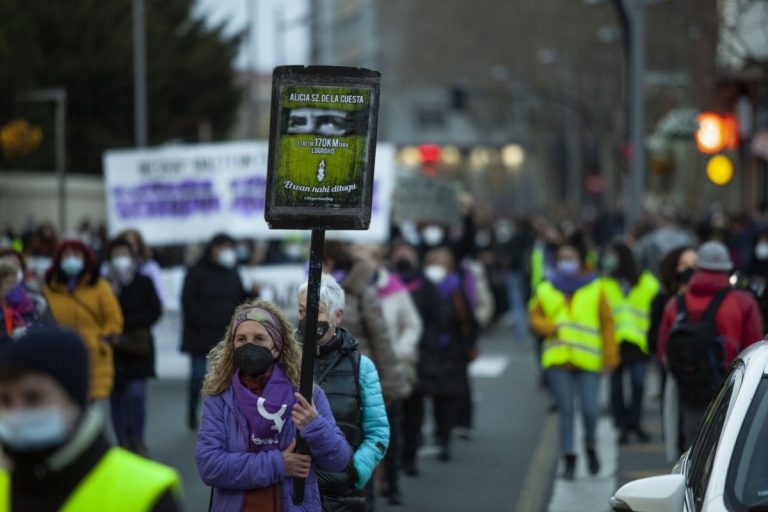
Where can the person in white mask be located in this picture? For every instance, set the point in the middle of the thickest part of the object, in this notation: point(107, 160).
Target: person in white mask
point(82, 300)
point(135, 352)
point(212, 290)
point(59, 457)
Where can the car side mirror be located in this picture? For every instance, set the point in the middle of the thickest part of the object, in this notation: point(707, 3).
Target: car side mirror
point(664, 493)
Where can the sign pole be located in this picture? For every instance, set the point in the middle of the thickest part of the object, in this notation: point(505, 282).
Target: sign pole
point(322, 149)
point(309, 350)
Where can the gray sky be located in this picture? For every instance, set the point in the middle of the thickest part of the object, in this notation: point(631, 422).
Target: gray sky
point(272, 46)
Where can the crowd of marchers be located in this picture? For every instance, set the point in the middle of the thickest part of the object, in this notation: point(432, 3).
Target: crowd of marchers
point(399, 324)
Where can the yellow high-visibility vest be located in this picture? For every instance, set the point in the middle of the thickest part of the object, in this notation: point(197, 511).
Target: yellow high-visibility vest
point(632, 312)
point(578, 340)
point(120, 482)
point(537, 266)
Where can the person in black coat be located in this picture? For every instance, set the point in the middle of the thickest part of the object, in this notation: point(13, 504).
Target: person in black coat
point(211, 292)
point(440, 368)
point(135, 352)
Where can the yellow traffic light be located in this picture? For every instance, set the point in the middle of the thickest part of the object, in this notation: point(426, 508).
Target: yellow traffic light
point(720, 170)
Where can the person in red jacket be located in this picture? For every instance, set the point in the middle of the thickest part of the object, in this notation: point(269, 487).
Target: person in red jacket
point(738, 317)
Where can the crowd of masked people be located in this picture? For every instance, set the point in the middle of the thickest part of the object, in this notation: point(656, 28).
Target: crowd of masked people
point(399, 325)
point(680, 298)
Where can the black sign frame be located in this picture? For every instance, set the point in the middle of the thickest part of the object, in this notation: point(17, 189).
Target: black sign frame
point(285, 208)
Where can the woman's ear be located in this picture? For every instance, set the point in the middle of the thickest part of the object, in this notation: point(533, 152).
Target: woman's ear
point(339, 316)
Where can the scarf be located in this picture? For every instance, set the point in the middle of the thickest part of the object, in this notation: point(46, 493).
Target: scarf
point(568, 284)
point(449, 284)
point(392, 285)
point(268, 413)
point(19, 300)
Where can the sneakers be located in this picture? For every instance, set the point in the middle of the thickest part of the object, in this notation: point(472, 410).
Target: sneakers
point(570, 466)
point(624, 436)
point(593, 462)
point(410, 469)
point(642, 435)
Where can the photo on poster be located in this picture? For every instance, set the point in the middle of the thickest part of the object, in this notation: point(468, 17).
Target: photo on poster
point(322, 147)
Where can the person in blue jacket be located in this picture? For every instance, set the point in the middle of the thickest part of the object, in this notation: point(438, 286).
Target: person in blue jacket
point(351, 383)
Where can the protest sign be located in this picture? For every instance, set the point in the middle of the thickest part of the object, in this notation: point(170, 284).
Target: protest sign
point(421, 199)
point(322, 147)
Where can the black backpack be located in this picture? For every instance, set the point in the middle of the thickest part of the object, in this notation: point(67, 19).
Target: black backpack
point(696, 352)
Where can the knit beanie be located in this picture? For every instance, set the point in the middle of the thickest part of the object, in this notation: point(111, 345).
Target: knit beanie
point(58, 353)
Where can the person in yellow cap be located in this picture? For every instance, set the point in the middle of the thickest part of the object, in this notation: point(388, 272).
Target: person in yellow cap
point(53, 442)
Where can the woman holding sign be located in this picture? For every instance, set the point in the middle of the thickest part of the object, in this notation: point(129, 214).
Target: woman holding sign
point(252, 414)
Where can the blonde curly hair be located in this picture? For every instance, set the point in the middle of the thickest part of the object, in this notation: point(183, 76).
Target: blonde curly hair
point(221, 359)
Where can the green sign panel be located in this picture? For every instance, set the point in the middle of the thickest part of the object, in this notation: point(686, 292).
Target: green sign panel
point(322, 147)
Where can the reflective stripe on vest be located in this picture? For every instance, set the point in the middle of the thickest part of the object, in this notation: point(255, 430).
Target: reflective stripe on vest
point(537, 266)
point(120, 482)
point(578, 341)
point(632, 313)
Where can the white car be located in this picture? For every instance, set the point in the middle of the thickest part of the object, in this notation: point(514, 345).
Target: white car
point(726, 469)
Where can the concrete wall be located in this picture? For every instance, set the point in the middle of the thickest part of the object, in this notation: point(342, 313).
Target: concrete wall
point(33, 197)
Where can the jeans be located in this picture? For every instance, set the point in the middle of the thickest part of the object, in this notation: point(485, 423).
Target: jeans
point(198, 365)
point(129, 412)
point(518, 308)
point(564, 382)
point(628, 417)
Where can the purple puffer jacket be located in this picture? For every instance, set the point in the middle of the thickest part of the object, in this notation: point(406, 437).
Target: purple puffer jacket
point(224, 462)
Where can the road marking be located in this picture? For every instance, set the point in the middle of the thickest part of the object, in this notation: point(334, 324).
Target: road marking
point(591, 493)
point(488, 366)
point(535, 486)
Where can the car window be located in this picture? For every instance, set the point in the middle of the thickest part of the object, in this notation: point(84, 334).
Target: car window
point(705, 446)
point(747, 481)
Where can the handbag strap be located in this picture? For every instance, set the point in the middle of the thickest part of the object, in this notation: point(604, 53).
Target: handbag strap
point(87, 308)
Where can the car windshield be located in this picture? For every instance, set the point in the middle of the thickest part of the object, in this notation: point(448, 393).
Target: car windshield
point(747, 483)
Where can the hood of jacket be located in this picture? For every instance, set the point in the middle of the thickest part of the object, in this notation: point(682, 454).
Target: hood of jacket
point(359, 276)
point(707, 283)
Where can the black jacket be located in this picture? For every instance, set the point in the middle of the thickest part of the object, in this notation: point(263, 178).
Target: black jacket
point(337, 371)
point(441, 354)
point(208, 299)
point(141, 310)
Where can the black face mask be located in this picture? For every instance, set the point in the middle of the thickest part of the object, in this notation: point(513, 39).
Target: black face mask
point(403, 266)
point(685, 276)
point(253, 360)
point(322, 327)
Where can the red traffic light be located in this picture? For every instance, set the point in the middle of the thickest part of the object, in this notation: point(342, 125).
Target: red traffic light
point(716, 132)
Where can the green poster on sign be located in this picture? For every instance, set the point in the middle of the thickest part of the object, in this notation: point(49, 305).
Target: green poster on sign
point(322, 144)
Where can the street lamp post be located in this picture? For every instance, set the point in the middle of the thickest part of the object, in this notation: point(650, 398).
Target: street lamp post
point(140, 126)
point(636, 181)
point(57, 95)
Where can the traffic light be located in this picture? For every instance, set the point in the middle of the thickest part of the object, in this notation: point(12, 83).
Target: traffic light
point(716, 132)
point(720, 170)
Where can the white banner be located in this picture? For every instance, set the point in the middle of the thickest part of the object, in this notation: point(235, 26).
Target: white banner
point(185, 194)
point(278, 284)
